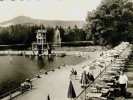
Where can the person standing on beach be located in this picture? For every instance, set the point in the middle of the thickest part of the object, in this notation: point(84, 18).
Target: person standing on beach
point(75, 74)
point(123, 80)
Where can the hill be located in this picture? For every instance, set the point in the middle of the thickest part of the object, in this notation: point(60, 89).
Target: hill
point(30, 21)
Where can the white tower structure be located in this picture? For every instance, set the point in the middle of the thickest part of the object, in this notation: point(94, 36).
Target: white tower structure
point(41, 41)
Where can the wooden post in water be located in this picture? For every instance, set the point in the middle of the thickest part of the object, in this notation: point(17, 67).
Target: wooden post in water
point(11, 60)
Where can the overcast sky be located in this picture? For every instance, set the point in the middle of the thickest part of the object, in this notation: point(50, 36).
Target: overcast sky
point(47, 9)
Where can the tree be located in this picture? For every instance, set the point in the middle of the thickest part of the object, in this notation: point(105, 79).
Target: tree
point(111, 23)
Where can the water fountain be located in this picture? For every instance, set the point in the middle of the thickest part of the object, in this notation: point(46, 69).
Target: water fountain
point(57, 38)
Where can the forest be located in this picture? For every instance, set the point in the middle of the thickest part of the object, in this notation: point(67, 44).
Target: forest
point(23, 34)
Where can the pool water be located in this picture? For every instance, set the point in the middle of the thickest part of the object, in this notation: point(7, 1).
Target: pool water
point(15, 69)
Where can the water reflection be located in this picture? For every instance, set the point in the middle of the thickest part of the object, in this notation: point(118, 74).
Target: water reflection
point(50, 58)
point(40, 63)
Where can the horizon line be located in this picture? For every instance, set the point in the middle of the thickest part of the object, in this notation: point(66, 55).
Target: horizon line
point(40, 19)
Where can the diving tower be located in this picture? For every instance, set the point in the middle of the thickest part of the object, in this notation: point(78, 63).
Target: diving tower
point(40, 45)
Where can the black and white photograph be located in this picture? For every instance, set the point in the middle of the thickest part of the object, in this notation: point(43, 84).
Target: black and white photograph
point(66, 49)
